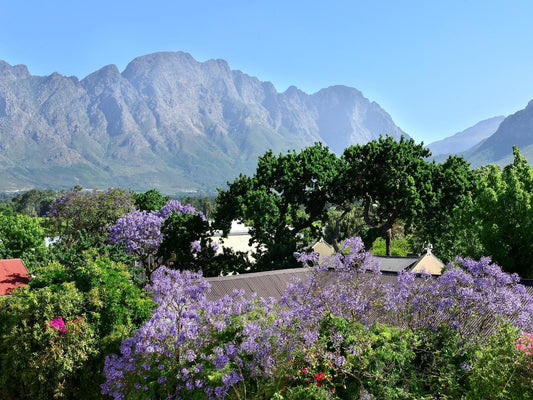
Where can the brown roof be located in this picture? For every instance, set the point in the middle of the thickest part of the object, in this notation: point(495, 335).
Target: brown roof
point(13, 274)
point(264, 284)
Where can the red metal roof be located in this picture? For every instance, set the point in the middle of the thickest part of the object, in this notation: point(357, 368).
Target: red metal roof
point(13, 274)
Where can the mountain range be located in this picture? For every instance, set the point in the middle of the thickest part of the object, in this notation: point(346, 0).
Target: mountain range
point(516, 129)
point(167, 122)
point(464, 140)
point(182, 126)
point(491, 141)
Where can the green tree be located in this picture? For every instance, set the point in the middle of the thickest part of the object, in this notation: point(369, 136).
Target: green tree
point(448, 210)
point(343, 223)
point(34, 202)
point(77, 213)
point(151, 200)
point(22, 237)
point(285, 202)
point(504, 208)
point(391, 178)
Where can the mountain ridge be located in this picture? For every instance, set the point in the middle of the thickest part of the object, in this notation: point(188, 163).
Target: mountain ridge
point(516, 129)
point(166, 121)
point(467, 138)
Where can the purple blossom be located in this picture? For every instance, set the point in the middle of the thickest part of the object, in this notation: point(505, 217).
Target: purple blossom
point(185, 330)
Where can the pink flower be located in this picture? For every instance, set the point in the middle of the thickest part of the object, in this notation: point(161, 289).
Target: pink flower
point(57, 323)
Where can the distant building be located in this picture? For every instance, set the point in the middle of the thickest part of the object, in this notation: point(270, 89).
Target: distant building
point(13, 274)
point(238, 238)
point(390, 264)
point(323, 248)
point(427, 263)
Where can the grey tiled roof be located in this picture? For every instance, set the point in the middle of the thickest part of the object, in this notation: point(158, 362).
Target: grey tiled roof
point(264, 284)
point(395, 264)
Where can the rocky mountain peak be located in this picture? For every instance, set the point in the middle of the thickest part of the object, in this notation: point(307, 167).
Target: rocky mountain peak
point(167, 121)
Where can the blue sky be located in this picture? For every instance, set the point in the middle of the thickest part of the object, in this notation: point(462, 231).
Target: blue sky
point(437, 67)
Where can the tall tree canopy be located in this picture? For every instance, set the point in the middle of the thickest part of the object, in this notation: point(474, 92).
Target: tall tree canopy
point(283, 202)
point(454, 187)
point(151, 200)
point(504, 209)
point(391, 179)
point(78, 212)
point(290, 198)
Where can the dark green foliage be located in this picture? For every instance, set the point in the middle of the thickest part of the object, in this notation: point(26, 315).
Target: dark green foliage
point(291, 197)
point(391, 179)
point(35, 202)
point(152, 200)
point(343, 222)
point(282, 201)
point(180, 231)
point(447, 207)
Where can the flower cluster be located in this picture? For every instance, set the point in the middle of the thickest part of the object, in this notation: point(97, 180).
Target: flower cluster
point(525, 344)
point(58, 323)
point(141, 232)
point(180, 350)
point(322, 330)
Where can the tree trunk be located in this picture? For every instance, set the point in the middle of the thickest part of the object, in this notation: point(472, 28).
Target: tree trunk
point(388, 240)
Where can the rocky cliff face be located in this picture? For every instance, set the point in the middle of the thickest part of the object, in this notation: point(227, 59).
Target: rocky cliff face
point(167, 121)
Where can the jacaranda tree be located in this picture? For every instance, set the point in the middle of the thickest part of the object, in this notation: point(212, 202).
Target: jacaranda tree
point(341, 333)
point(176, 234)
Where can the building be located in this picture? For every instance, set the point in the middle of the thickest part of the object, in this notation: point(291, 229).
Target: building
point(13, 274)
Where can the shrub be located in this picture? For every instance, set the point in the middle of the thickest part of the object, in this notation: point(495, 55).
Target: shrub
point(99, 305)
point(332, 336)
point(38, 361)
point(502, 369)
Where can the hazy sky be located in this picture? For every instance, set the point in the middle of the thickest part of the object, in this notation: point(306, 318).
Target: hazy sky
point(437, 67)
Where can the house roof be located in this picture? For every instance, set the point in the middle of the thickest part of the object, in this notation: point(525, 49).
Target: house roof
point(395, 264)
point(13, 274)
point(264, 284)
point(273, 283)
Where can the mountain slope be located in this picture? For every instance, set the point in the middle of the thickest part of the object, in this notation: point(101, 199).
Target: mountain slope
point(516, 129)
point(466, 139)
point(167, 121)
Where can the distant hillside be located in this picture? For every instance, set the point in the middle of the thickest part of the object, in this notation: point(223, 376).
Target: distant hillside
point(517, 129)
point(466, 139)
point(167, 121)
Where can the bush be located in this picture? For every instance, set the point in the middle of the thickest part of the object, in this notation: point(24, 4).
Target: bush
point(38, 361)
point(100, 306)
point(502, 369)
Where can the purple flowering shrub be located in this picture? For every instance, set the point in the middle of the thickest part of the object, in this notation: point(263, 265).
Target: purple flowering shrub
point(470, 296)
point(145, 233)
point(342, 332)
point(192, 346)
